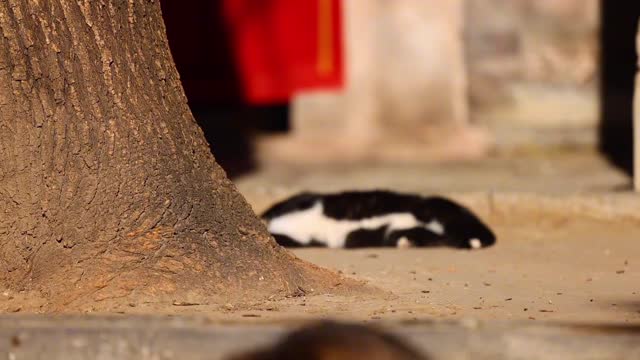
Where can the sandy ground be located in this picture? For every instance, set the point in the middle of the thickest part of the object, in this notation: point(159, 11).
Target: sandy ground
point(584, 272)
point(560, 268)
point(560, 172)
point(575, 271)
point(568, 252)
point(554, 260)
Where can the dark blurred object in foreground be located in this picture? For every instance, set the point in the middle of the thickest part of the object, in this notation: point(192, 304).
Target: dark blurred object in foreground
point(336, 341)
point(618, 68)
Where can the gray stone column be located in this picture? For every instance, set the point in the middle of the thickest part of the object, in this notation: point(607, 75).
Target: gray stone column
point(405, 96)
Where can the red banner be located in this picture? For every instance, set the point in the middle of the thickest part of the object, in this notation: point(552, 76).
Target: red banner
point(285, 46)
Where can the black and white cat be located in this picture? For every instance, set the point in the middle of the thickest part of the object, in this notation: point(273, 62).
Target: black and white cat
point(375, 219)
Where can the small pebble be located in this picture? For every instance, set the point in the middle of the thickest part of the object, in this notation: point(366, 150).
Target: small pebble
point(425, 291)
point(620, 272)
point(184, 303)
point(251, 315)
point(508, 299)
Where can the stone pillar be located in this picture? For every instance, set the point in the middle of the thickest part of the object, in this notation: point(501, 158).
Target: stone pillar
point(533, 70)
point(636, 123)
point(405, 97)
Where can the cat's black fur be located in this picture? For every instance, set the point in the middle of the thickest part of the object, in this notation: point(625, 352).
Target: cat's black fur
point(460, 223)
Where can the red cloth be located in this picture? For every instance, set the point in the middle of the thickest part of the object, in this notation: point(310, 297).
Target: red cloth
point(285, 46)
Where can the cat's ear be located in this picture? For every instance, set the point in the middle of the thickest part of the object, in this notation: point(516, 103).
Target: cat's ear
point(301, 201)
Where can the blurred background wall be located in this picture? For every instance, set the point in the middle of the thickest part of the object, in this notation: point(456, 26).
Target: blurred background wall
point(533, 69)
point(411, 80)
point(405, 93)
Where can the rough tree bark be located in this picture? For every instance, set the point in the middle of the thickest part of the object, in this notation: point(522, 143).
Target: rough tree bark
point(107, 186)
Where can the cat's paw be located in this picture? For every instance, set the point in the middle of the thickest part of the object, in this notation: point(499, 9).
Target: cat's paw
point(404, 243)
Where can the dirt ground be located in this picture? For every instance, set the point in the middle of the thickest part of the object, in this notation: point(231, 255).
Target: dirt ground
point(547, 265)
point(579, 271)
point(574, 271)
point(536, 171)
point(567, 250)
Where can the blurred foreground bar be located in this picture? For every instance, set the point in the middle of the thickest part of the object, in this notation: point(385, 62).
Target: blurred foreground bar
point(142, 338)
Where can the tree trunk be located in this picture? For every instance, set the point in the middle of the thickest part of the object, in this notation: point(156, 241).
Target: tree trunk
point(107, 186)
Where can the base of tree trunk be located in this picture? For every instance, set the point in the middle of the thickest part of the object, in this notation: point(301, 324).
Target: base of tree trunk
point(157, 268)
point(109, 194)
